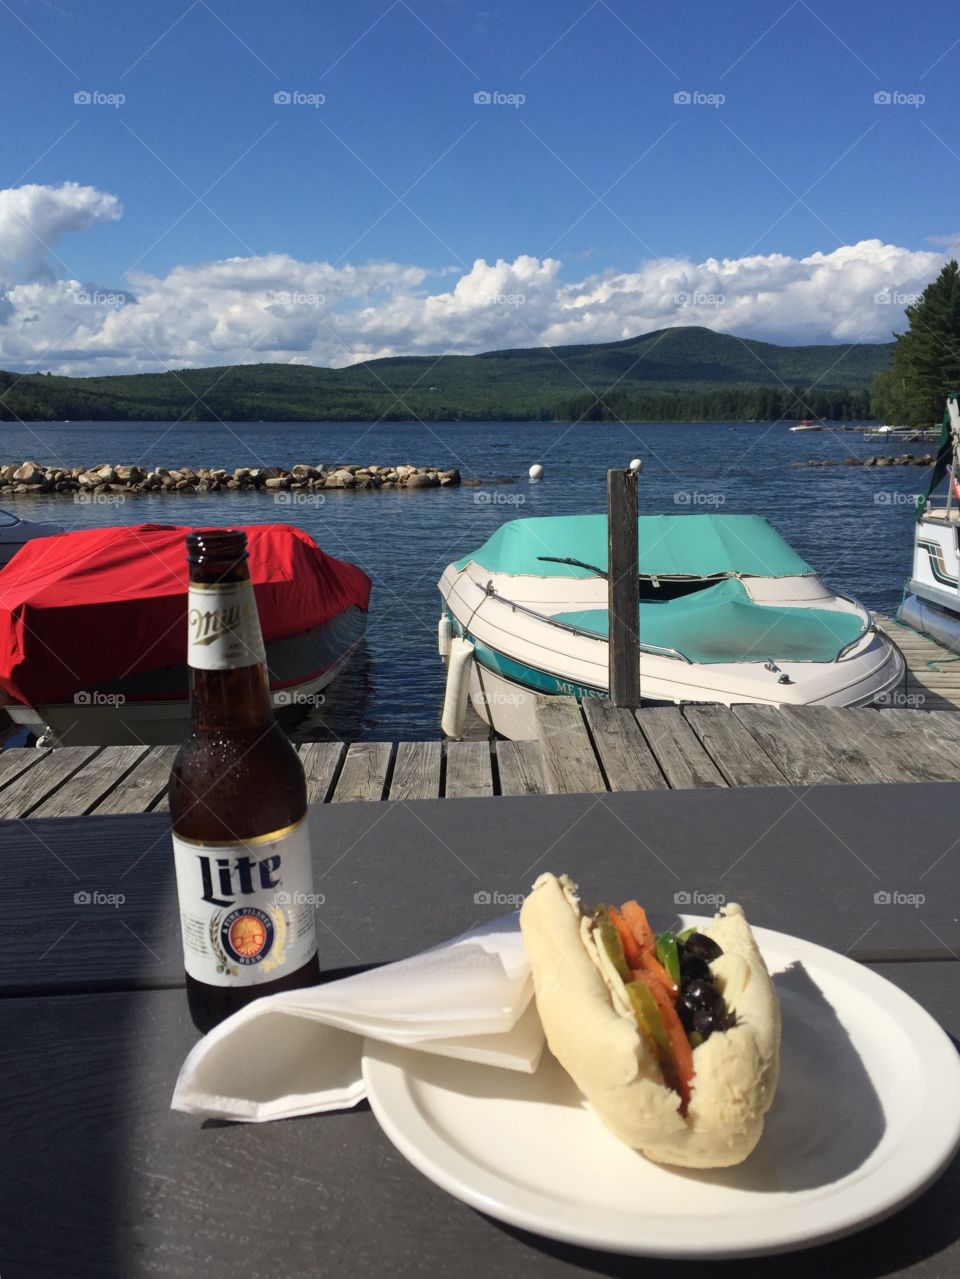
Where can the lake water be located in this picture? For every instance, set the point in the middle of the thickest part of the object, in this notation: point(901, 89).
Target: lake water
point(854, 525)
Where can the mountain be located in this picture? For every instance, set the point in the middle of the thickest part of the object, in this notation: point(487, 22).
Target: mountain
point(671, 374)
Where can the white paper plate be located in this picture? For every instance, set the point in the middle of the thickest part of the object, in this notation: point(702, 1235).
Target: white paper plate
point(866, 1115)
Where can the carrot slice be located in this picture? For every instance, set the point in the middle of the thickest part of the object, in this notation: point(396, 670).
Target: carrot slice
point(631, 948)
point(636, 920)
point(639, 925)
point(680, 1048)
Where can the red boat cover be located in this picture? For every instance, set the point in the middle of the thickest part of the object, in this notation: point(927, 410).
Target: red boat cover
point(81, 609)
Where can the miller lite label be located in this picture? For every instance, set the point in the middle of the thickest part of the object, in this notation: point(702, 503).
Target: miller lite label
point(223, 628)
point(246, 907)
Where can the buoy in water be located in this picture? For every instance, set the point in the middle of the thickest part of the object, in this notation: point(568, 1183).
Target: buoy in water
point(536, 471)
point(636, 465)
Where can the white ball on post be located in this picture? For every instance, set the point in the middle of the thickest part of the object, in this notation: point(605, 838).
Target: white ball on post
point(636, 465)
point(536, 471)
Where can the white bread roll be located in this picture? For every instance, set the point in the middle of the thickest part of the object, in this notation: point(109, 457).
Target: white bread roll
point(592, 1031)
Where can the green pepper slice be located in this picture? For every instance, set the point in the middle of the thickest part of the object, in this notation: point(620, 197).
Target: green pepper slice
point(669, 956)
point(611, 943)
point(651, 1024)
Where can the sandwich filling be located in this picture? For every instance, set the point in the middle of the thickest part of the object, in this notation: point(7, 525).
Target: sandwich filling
point(678, 988)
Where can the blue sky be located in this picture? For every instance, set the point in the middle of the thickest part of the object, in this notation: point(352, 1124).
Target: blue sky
point(784, 152)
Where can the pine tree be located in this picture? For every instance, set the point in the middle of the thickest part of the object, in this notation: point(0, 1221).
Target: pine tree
point(926, 360)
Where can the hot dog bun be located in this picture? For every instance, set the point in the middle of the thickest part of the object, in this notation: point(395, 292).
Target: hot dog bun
point(592, 1031)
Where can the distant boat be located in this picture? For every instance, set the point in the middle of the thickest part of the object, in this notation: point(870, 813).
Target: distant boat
point(15, 533)
point(807, 425)
point(729, 613)
point(93, 630)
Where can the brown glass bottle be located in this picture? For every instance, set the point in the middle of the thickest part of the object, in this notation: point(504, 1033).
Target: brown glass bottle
point(238, 804)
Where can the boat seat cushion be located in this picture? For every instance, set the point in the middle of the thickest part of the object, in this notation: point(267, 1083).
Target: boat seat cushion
point(722, 624)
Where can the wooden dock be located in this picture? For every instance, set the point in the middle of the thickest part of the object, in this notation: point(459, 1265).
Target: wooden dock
point(933, 672)
point(591, 747)
point(588, 748)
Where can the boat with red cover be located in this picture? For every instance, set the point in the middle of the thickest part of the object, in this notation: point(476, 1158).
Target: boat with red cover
point(93, 629)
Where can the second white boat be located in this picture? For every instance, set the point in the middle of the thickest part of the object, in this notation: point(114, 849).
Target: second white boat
point(729, 613)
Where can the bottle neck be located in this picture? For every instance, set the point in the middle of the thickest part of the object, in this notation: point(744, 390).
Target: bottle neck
point(229, 689)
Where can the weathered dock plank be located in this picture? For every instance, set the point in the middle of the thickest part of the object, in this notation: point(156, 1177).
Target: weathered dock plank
point(320, 762)
point(93, 782)
point(735, 751)
point(848, 745)
point(895, 752)
point(625, 757)
point(364, 772)
point(677, 749)
point(31, 788)
point(933, 672)
point(469, 770)
point(16, 761)
point(569, 764)
point(802, 757)
point(144, 787)
point(520, 766)
point(416, 772)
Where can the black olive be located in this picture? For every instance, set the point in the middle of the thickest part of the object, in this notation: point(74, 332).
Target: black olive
point(706, 1021)
point(702, 946)
point(693, 966)
point(701, 993)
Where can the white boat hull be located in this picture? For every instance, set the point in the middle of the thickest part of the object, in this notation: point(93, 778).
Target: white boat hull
point(149, 710)
point(519, 656)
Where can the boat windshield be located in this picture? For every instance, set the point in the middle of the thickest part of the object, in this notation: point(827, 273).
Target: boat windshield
point(678, 547)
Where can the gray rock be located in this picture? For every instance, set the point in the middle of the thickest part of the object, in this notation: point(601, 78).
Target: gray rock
point(29, 473)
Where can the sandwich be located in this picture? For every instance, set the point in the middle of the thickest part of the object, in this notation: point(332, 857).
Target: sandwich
point(673, 1039)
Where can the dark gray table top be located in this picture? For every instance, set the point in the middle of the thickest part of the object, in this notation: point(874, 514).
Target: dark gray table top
point(101, 1178)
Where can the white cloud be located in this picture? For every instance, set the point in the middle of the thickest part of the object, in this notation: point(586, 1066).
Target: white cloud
point(34, 218)
point(278, 308)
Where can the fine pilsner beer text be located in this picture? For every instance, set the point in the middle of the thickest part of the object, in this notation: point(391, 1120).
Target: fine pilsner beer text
point(238, 803)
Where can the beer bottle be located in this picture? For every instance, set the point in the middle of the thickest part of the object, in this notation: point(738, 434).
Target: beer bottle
point(238, 803)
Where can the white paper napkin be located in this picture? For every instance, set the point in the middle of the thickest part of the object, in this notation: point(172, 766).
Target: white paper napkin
point(300, 1052)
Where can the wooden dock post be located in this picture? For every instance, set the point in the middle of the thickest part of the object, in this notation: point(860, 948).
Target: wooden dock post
point(623, 588)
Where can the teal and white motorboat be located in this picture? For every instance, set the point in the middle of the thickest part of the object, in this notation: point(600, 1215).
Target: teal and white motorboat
point(729, 613)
